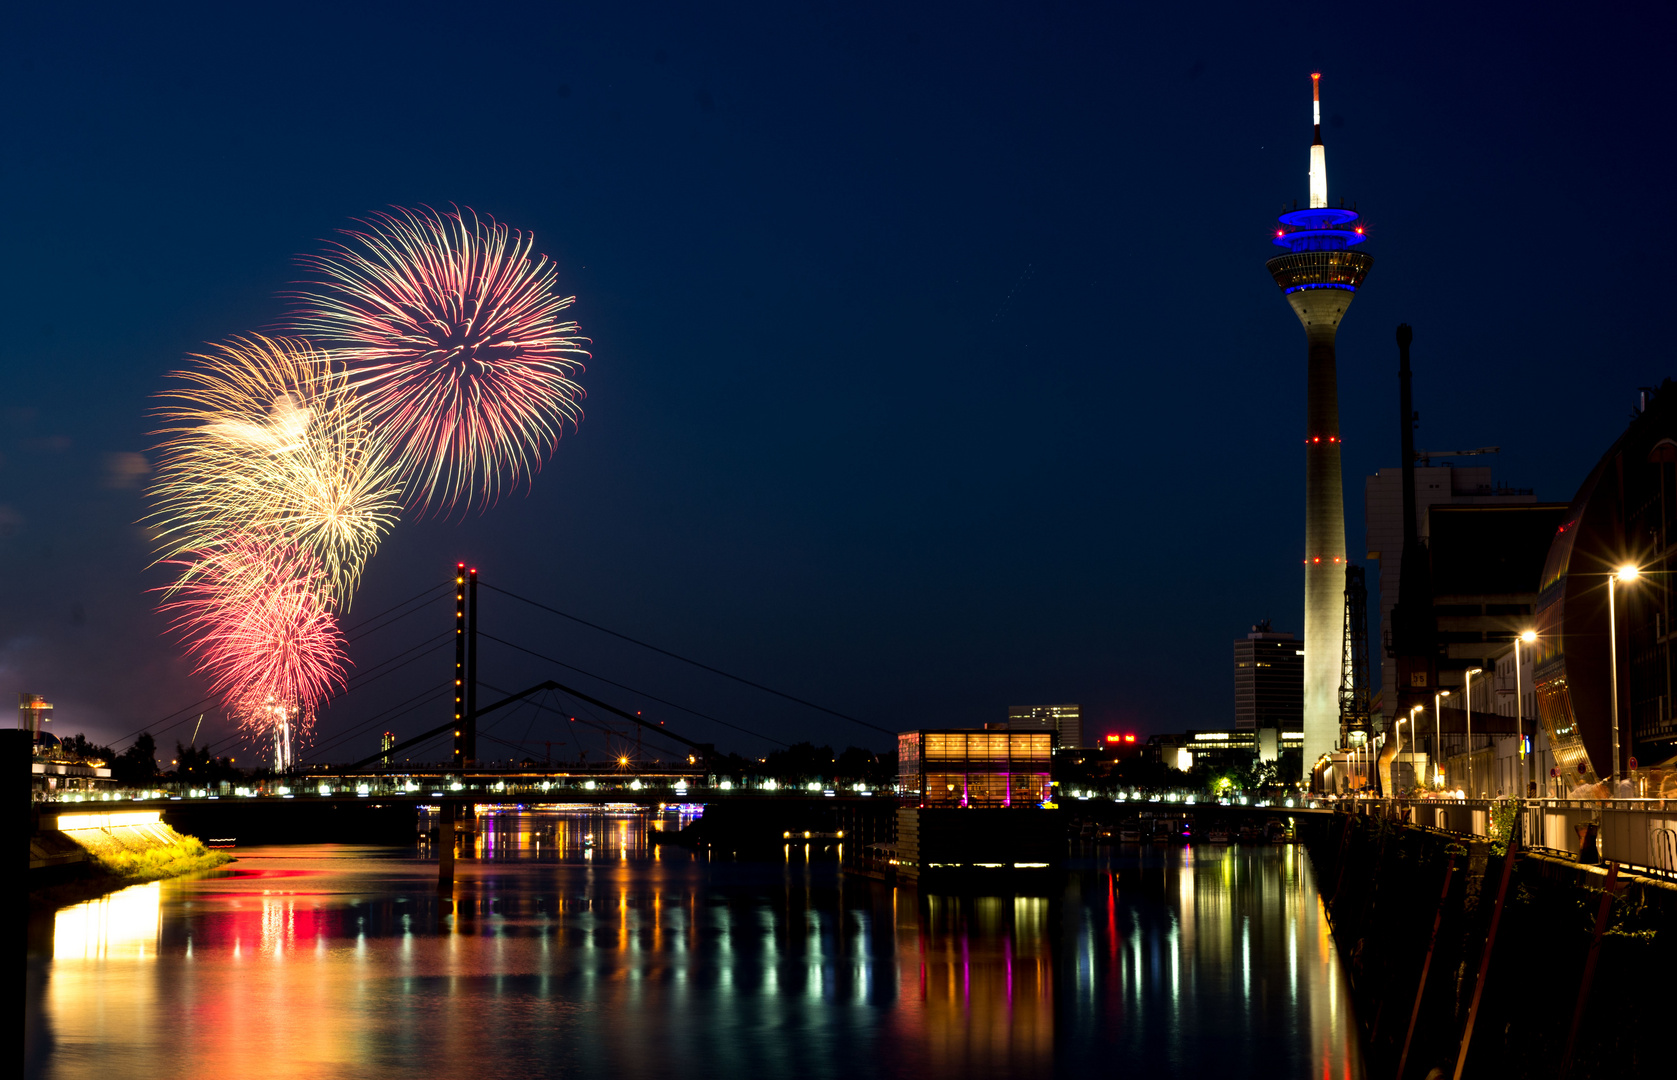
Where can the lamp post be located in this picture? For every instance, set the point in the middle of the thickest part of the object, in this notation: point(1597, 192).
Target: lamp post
point(1627, 574)
point(1528, 774)
point(1413, 710)
point(1438, 735)
point(1467, 700)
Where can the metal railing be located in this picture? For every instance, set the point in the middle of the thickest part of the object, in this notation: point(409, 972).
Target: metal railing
point(1639, 834)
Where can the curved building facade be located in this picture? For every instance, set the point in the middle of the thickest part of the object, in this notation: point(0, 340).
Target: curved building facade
point(1622, 515)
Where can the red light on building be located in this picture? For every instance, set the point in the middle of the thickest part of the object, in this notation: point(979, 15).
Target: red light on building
point(1114, 738)
point(1129, 738)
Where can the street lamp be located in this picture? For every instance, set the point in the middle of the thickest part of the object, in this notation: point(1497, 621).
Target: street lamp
point(1410, 720)
point(1438, 735)
point(1467, 699)
point(1526, 636)
point(1627, 574)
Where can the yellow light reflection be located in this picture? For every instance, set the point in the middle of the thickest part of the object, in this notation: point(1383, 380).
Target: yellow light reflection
point(121, 926)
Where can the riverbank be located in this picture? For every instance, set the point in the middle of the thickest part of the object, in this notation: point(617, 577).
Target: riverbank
point(114, 857)
point(1536, 967)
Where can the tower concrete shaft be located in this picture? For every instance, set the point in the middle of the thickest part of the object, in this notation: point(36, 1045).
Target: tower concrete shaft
point(1324, 521)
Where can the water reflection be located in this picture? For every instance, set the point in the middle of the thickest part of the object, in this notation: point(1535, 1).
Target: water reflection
point(121, 926)
point(554, 957)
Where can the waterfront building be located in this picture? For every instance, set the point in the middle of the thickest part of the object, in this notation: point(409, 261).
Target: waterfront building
point(1613, 553)
point(975, 802)
point(1066, 721)
point(1218, 749)
point(1268, 680)
point(970, 768)
point(1320, 275)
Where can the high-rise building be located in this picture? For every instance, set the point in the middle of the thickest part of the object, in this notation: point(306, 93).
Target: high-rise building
point(1320, 275)
point(1268, 680)
point(1067, 720)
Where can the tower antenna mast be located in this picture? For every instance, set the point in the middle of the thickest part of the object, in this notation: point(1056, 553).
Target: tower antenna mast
point(1318, 152)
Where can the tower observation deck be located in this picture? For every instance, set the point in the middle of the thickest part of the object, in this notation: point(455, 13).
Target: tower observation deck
point(1320, 274)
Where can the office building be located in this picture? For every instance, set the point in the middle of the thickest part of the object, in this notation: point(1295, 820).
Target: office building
point(1446, 485)
point(1066, 721)
point(1268, 680)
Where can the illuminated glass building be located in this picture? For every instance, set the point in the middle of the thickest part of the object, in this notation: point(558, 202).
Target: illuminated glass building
point(962, 768)
point(1320, 275)
point(975, 802)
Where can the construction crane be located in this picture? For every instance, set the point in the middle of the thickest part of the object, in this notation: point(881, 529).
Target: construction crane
point(1425, 456)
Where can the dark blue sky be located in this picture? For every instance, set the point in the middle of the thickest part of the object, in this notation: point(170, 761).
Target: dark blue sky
point(935, 364)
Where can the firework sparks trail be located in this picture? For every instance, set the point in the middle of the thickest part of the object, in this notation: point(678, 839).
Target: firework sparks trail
point(267, 441)
point(452, 333)
point(253, 618)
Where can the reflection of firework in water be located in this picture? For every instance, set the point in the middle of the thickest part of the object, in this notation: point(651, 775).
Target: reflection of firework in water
point(451, 331)
point(253, 618)
point(266, 440)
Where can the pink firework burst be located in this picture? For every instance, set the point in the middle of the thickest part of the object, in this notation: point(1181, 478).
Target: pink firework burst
point(451, 331)
point(255, 621)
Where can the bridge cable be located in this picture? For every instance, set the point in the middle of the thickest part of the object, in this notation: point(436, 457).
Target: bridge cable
point(687, 660)
point(596, 723)
point(631, 689)
point(131, 736)
point(416, 596)
point(384, 715)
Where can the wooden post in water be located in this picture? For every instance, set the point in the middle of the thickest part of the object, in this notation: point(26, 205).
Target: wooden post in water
point(1485, 961)
point(445, 849)
point(1601, 917)
point(1426, 966)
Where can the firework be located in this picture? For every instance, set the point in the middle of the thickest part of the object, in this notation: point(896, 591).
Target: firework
point(254, 620)
point(267, 441)
point(452, 333)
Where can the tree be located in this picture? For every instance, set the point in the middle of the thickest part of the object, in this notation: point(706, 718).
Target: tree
point(800, 761)
point(860, 764)
point(193, 765)
point(79, 746)
point(137, 765)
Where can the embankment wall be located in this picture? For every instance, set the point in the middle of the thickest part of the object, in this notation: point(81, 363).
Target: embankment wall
point(1446, 943)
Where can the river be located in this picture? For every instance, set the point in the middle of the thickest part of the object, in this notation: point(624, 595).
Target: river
point(574, 947)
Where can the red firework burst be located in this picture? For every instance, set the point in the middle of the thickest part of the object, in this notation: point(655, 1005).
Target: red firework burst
point(452, 333)
point(255, 620)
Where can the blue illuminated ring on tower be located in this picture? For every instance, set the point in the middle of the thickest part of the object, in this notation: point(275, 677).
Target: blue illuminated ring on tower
point(1320, 217)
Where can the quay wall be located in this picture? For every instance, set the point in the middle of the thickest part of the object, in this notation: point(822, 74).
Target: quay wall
point(1448, 944)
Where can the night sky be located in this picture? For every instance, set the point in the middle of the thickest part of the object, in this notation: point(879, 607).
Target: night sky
point(935, 367)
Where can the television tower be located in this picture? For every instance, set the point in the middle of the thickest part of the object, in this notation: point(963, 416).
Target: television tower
point(1319, 275)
